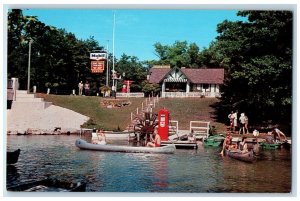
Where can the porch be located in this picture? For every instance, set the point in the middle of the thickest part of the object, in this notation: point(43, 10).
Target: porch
point(189, 94)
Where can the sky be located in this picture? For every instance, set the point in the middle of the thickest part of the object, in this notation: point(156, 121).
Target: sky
point(136, 31)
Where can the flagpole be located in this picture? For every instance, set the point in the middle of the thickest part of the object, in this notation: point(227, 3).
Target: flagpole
point(113, 44)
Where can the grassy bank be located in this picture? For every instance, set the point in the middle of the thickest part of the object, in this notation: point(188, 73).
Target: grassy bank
point(91, 106)
point(183, 110)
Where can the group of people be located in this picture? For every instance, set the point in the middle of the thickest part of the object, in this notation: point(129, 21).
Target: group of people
point(83, 89)
point(227, 144)
point(238, 124)
point(98, 137)
point(274, 136)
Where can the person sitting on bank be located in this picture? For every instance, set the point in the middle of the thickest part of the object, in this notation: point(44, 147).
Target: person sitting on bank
point(155, 140)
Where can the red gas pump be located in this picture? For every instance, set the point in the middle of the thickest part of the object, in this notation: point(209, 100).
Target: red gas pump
point(163, 124)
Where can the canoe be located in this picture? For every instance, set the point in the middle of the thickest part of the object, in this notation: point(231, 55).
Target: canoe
point(213, 141)
point(237, 154)
point(12, 157)
point(181, 144)
point(49, 185)
point(82, 144)
point(270, 145)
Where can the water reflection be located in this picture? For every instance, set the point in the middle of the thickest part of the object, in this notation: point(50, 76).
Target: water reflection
point(160, 167)
point(200, 171)
point(12, 172)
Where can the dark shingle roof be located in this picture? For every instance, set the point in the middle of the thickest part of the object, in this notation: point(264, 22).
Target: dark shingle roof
point(197, 76)
point(157, 74)
point(206, 76)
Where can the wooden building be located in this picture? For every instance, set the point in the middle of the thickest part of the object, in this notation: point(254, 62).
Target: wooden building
point(187, 82)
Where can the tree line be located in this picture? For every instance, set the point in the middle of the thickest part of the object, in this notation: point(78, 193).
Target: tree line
point(256, 54)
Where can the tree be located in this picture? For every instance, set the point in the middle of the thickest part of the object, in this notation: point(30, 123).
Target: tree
point(133, 70)
point(257, 57)
point(179, 54)
point(150, 89)
point(58, 58)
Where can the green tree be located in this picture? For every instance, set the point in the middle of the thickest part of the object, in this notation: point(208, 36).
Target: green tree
point(150, 89)
point(179, 54)
point(257, 57)
point(58, 58)
point(133, 70)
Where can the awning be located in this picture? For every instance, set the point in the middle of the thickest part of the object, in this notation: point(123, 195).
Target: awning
point(175, 80)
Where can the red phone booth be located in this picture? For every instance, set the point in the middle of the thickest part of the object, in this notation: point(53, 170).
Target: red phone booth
point(163, 124)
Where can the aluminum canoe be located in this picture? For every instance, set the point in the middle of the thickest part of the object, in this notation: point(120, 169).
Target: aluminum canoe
point(82, 144)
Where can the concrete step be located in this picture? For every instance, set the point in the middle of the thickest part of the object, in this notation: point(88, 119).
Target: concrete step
point(21, 91)
point(29, 99)
point(29, 106)
point(22, 95)
point(27, 102)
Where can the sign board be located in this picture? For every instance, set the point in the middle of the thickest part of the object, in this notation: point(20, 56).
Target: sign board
point(98, 56)
point(97, 66)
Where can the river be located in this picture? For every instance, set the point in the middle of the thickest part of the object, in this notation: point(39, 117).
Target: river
point(186, 171)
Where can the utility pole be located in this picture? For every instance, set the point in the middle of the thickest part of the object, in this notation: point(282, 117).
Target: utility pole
point(28, 71)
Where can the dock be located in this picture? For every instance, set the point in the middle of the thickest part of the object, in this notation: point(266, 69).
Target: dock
point(181, 144)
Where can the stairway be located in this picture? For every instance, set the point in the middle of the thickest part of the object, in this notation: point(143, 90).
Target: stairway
point(27, 102)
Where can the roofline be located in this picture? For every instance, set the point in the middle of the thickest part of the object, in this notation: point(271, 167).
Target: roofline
point(174, 69)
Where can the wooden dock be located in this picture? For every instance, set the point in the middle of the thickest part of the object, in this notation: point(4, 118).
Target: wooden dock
point(181, 144)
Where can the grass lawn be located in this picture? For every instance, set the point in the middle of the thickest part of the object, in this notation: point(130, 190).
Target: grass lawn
point(100, 116)
point(183, 110)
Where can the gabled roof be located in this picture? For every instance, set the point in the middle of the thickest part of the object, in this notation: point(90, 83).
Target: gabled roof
point(157, 74)
point(197, 76)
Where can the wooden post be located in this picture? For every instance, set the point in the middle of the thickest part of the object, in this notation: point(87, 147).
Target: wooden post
point(142, 106)
point(137, 110)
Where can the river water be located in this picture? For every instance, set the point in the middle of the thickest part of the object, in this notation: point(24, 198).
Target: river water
point(186, 171)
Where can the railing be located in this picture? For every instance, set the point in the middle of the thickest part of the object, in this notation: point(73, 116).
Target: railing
point(173, 127)
point(190, 94)
point(135, 95)
point(200, 128)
